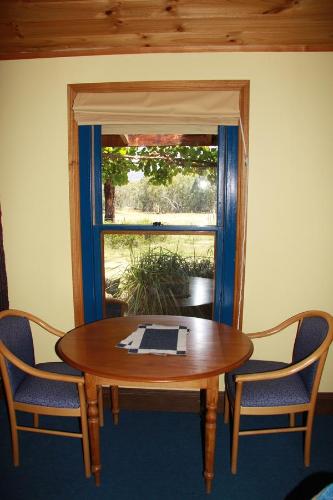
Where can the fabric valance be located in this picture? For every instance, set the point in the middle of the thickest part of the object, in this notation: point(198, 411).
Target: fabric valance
point(158, 112)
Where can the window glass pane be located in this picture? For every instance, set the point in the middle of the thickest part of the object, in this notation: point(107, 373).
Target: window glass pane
point(158, 273)
point(167, 184)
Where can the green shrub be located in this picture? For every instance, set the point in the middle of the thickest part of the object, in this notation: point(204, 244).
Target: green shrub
point(203, 267)
point(154, 280)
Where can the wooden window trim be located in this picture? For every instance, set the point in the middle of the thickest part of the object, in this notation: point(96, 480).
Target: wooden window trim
point(243, 86)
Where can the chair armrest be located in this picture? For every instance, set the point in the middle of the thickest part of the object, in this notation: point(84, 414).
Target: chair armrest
point(35, 371)
point(282, 326)
point(34, 319)
point(283, 372)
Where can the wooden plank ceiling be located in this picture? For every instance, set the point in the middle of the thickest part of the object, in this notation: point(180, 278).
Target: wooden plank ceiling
point(51, 28)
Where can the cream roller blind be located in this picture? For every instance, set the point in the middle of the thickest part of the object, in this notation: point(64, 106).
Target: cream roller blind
point(158, 112)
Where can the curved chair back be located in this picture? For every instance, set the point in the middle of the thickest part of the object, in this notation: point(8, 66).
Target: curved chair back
point(311, 334)
point(15, 333)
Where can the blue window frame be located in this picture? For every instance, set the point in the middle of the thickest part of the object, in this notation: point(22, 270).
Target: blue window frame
point(92, 227)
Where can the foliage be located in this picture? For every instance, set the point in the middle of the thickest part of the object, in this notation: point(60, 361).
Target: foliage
point(112, 285)
point(114, 171)
point(153, 280)
point(158, 163)
point(156, 277)
point(183, 195)
point(203, 267)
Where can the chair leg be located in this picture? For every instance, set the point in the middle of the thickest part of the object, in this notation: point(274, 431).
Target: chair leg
point(226, 408)
point(308, 435)
point(292, 420)
point(36, 420)
point(235, 439)
point(115, 404)
point(100, 405)
point(14, 436)
point(85, 445)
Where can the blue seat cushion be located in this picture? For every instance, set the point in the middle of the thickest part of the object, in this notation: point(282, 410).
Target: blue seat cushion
point(43, 392)
point(279, 392)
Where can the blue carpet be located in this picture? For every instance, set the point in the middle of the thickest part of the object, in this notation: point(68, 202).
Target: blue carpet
point(157, 456)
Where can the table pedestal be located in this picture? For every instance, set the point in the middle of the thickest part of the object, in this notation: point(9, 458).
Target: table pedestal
point(210, 385)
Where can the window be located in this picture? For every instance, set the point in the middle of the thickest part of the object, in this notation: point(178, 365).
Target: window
point(183, 265)
point(237, 206)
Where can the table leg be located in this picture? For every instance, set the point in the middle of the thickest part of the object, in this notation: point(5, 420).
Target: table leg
point(93, 425)
point(115, 403)
point(212, 393)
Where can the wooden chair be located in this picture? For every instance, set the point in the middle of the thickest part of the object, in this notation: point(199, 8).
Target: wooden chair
point(41, 389)
point(113, 308)
point(272, 387)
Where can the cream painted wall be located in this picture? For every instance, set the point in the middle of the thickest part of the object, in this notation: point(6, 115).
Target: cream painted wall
point(289, 264)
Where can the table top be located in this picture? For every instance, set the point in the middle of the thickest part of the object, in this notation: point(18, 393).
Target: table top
point(212, 349)
point(201, 291)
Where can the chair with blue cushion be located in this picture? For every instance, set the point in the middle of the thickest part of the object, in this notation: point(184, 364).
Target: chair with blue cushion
point(41, 389)
point(114, 308)
point(272, 387)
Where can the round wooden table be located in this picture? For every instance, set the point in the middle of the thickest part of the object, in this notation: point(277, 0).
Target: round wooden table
point(212, 349)
point(201, 292)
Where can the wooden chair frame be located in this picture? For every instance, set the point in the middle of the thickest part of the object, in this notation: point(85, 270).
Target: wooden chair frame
point(123, 305)
point(37, 410)
point(309, 408)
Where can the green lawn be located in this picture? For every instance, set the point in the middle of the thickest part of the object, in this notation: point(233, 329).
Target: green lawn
point(130, 216)
point(118, 248)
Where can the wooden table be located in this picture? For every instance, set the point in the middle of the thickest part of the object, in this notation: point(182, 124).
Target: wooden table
point(212, 349)
point(201, 292)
